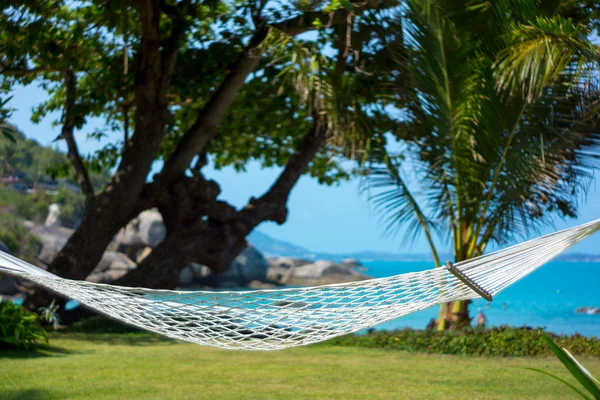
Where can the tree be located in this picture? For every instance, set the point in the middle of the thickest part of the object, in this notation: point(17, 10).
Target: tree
point(502, 130)
point(191, 82)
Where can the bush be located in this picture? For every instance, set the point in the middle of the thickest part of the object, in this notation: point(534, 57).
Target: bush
point(101, 324)
point(501, 341)
point(18, 327)
point(20, 241)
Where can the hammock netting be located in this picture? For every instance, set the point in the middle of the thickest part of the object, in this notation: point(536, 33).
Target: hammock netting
point(281, 318)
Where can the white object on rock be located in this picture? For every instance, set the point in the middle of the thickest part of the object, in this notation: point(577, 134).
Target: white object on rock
point(145, 230)
point(53, 218)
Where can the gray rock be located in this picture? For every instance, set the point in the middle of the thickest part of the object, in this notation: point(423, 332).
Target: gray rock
point(288, 262)
point(249, 266)
point(145, 252)
point(112, 266)
point(279, 267)
point(145, 230)
point(106, 276)
point(588, 310)
point(53, 240)
point(112, 260)
point(351, 262)
point(322, 272)
point(192, 274)
point(261, 285)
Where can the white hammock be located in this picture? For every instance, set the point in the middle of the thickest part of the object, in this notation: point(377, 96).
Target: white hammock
point(277, 319)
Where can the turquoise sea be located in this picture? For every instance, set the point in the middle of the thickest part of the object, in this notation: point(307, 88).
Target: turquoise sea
point(546, 298)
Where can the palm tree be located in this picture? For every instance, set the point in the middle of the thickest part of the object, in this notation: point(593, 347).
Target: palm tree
point(501, 132)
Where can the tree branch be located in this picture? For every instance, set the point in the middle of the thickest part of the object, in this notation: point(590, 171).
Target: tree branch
point(205, 126)
point(306, 21)
point(172, 44)
point(25, 72)
point(272, 205)
point(67, 134)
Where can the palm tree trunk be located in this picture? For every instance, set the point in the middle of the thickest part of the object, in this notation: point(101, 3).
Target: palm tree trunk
point(455, 314)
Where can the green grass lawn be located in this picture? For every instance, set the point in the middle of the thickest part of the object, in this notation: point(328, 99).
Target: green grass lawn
point(145, 367)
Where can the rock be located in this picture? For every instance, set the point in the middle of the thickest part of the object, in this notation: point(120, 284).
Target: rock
point(249, 266)
point(322, 272)
point(8, 284)
point(588, 310)
point(53, 240)
point(288, 262)
point(106, 276)
point(53, 217)
point(351, 262)
point(111, 267)
point(145, 230)
point(193, 273)
point(261, 285)
point(279, 267)
point(145, 252)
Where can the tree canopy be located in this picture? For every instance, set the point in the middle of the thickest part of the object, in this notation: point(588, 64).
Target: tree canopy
point(290, 84)
point(502, 133)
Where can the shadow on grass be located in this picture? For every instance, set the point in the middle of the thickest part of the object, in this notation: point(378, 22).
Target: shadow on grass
point(129, 339)
point(25, 394)
point(39, 351)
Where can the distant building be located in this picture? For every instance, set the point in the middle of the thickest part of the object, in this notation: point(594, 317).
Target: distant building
point(19, 183)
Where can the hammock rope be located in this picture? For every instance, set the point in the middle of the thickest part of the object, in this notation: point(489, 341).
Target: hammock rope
point(281, 318)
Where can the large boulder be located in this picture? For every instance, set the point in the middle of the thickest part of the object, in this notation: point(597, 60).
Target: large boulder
point(322, 272)
point(111, 267)
point(249, 266)
point(145, 230)
point(53, 239)
point(588, 310)
point(8, 284)
point(279, 267)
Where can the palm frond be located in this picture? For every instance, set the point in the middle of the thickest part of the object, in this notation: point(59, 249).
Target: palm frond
point(542, 50)
point(398, 206)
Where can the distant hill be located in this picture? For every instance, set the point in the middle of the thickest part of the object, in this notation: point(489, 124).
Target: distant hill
point(272, 247)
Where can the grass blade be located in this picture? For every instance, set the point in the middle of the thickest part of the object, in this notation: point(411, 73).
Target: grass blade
point(573, 368)
point(541, 371)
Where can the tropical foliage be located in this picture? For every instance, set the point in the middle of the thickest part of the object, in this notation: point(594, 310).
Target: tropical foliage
point(19, 240)
point(294, 85)
point(500, 341)
point(501, 134)
point(578, 371)
point(18, 327)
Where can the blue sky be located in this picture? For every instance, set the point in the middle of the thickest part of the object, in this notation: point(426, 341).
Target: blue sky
point(321, 218)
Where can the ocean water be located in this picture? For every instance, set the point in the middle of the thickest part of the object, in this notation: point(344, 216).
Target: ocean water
point(546, 298)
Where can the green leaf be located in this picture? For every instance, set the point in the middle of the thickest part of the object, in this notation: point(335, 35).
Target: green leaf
point(8, 134)
point(583, 395)
point(347, 5)
point(574, 368)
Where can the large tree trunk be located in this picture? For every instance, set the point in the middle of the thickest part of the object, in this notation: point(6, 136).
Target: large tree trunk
point(202, 229)
point(215, 245)
point(454, 315)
